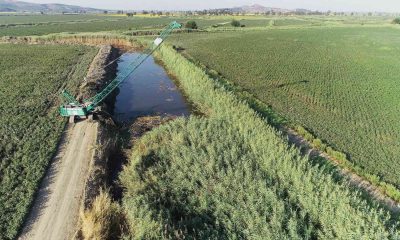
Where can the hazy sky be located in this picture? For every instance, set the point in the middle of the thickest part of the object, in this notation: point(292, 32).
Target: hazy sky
point(334, 5)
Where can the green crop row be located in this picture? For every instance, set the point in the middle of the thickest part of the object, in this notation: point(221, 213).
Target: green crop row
point(30, 127)
point(229, 175)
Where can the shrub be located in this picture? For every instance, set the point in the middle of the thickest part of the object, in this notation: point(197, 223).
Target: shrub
point(235, 23)
point(191, 25)
point(317, 143)
point(396, 21)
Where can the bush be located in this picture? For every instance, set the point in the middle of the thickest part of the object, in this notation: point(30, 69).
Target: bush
point(235, 23)
point(191, 25)
point(396, 21)
point(317, 143)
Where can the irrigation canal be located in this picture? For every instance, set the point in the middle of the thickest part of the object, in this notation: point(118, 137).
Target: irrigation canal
point(149, 91)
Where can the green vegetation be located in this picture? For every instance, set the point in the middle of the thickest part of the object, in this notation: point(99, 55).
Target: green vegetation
point(42, 26)
point(235, 23)
point(226, 174)
point(191, 25)
point(36, 19)
point(46, 24)
point(31, 76)
point(396, 21)
point(229, 175)
point(122, 24)
point(339, 83)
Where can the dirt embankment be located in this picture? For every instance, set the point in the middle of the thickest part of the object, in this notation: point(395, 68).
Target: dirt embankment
point(73, 177)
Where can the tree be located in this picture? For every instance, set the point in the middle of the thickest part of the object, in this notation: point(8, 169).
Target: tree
point(396, 21)
point(105, 12)
point(235, 23)
point(191, 25)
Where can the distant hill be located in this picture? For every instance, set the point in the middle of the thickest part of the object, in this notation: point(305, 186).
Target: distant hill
point(7, 9)
point(17, 6)
point(256, 8)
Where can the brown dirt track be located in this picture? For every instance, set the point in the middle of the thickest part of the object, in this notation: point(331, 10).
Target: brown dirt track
point(55, 212)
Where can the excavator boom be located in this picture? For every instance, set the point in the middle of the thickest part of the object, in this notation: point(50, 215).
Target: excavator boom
point(74, 108)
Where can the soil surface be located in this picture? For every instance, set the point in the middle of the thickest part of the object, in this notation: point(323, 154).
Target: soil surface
point(55, 212)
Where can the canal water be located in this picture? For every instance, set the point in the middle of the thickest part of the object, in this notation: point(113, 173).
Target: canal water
point(148, 91)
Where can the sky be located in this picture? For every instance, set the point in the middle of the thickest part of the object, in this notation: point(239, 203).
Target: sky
point(333, 5)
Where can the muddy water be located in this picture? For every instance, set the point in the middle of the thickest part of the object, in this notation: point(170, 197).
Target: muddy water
point(149, 91)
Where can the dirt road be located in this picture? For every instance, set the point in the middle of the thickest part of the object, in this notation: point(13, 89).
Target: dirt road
point(56, 209)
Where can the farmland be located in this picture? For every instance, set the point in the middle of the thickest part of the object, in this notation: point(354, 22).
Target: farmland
point(26, 25)
point(225, 172)
point(30, 128)
point(339, 83)
point(35, 25)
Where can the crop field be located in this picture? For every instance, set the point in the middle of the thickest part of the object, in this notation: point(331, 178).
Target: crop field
point(35, 25)
point(30, 81)
point(109, 24)
point(47, 24)
point(340, 83)
point(226, 171)
point(35, 19)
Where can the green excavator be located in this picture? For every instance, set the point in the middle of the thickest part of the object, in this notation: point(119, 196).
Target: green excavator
point(74, 109)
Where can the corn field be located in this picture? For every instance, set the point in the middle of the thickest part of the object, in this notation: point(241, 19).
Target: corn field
point(30, 81)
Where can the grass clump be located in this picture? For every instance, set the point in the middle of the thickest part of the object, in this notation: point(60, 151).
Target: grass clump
point(191, 25)
point(235, 23)
point(103, 219)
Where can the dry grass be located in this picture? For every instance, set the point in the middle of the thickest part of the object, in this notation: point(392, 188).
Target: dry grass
point(103, 219)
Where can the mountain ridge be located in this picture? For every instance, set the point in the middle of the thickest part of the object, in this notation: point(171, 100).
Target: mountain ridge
point(258, 8)
point(20, 6)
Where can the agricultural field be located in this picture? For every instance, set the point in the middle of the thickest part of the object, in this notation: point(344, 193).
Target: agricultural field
point(26, 25)
point(30, 128)
point(225, 172)
point(35, 25)
point(340, 83)
point(60, 18)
